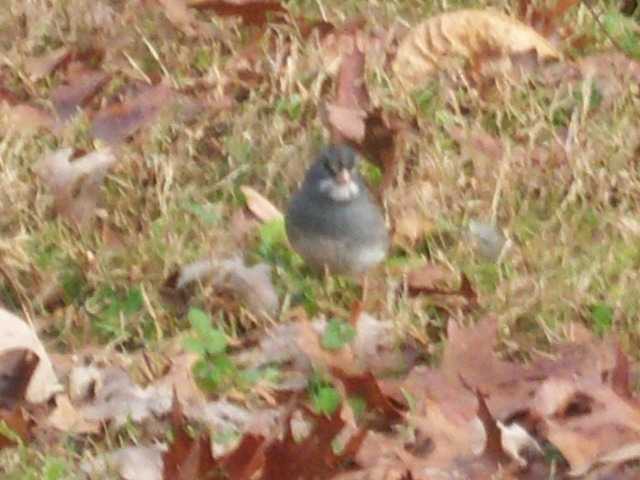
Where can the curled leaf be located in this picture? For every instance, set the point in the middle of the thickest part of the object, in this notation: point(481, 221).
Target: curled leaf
point(467, 34)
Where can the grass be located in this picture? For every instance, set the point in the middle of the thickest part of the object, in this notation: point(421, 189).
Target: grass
point(567, 190)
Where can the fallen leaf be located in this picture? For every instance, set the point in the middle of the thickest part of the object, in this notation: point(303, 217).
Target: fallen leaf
point(252, 285)
point(309, 341)
point(430, 278)
point(456, 434)
point(45, 65)
point(18, 335)
point(178, 14)
point(75, 185)
point(366, 387)
point(16, 369)
point(462, 33)
point(118, 121)
point(348, 123)
point(262, 208)
point(24, 116)
point(378, 347)
point(588, 422)
point(545, 20)
point(351, 90)
point(188, 457)
point(351, 118)
point(313, 455)
point(245, 459)
point(135, 462)
point(66, 418)
point(252, 12)
point(119, 400)
point(19, 422)
point(82, 87)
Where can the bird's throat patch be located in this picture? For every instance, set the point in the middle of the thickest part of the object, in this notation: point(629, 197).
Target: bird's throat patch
point(339, 192)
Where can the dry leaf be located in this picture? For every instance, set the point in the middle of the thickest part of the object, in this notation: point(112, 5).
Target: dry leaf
point(188, 456)
point(19, 422)
point(16, 369)
point(117, 122)
point(17, 334)
point(430, 278)
point(136, 462)
point(23, 116)
point(252, 285)
point(75, 185)
point(118, 400)
point(588, 422)
point(252, 12)
point(45, 65)
point(66, 418)
point(262, 208)
point(82, 87)
point(178, 14)
point(463, 33)
point(347, 123)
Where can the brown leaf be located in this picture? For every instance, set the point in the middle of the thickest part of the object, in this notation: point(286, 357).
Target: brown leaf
point(463, 33)
point(621, 376)
point(117, 122)
point(430, 278)
point(351, 90)
point(81, 88)
point(45, 65)
point(456, 434)
point(187, 458)
point(19, 422)
point(262, 208)
point(591, 421)
point(545, 20)
point(178, 14)
point(24, 116)
point(133, 462)
point(382, 133)
point(252, 12)
point(17, 365)
point(76, 185)
point(366, 387)
point(493, 445)
point(285, 459)
point(66, 418)
point(347, 123)
point(19, 336)
point(309, 342)
point(245, 459)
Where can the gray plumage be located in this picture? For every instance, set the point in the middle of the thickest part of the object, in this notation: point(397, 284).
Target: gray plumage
point(336, 225)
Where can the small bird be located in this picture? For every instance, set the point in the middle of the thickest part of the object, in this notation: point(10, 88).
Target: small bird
point(333, 222)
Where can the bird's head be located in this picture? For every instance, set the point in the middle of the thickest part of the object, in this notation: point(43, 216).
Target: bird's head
point(335, 173)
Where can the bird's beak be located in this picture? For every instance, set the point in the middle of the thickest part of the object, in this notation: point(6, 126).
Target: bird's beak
point(343, 177)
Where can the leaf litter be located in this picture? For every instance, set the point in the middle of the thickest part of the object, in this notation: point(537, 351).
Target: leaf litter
point(477, 414)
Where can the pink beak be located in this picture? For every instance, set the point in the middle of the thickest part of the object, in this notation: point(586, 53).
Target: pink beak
point(343, 177)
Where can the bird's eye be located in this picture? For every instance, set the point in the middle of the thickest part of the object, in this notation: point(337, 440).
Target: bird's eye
point(332, 165)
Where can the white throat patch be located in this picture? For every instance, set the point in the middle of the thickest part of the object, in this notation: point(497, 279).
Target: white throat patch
point(338, 192)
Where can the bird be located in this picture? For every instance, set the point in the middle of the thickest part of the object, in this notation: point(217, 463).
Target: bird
point(333, 221)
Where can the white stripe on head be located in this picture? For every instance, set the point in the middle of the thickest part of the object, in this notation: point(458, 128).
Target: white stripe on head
point(338, 192)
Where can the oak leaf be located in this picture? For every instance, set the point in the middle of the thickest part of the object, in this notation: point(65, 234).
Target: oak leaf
point(467, 34)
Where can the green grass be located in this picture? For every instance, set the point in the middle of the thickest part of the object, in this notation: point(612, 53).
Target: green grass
point(567, 197)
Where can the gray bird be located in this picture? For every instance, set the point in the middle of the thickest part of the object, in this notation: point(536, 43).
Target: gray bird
point(333, 221)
